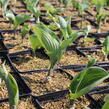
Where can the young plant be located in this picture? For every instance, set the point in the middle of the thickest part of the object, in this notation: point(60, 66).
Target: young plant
point(86, 31)
point(3, 5)
point(32, 6)
point(105, 48)
point(12, 87)
point(65, 2)
point(65, 27)
point(91, 61)
point(53, 46)
point(24, 31)
point(16, 20)
point(99, 4)
point(81, 7)
point(52, 10)
point(86, 80)
point(101, 18)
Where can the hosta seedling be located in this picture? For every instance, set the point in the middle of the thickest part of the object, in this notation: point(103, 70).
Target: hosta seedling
point(101, 18)
point(52, 10)
point(86, 80)
point(100, 4)
point(53, 46)
point(91, 61)
point(65, 2)
point(65, 27)
point(24, 31)
point(16, 20)
point(81, 7)
point(12, 87)
point(32, 6)
point(3, 5)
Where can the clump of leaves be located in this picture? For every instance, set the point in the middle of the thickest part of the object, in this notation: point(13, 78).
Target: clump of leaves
point(65, 27)
point(51, 9)
point(105, 48)
point(3, 5)
point(91, 61)
point(80, 7)
point(53, 46)
point(65, 2)
point(99, 4)
point(16, 20)
point(86, 80)
point(24, 31)
point(12, 87)
point(32, 6)
point(101, 18)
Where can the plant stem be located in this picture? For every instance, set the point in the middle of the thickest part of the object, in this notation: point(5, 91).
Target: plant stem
point(105, 57)
point(50, 72)
point(99, 27)
point(13, 107)
point(72, 104)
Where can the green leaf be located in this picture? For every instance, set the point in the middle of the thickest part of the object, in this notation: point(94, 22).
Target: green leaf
point(86, 80)
point(99, 2)
point(12, 87)
point(91, 61)
point(54, 46)
point(105, 48)
point(49, 43)
point(21, 18)
point(65, 2)
point(32, 3)
point(46, 40)
point(75, 4)
point(24, 30)
point(101, 17)
point(10, 15)
point(4, 4)
point(34, 42)
point(46, 29)
point(72, 38)
point(49, 7)
point(106, 105)
point(63, 27)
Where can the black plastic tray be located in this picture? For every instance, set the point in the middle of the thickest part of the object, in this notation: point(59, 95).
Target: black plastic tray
point(3, 48)
point(55, 96)
point(24, 90)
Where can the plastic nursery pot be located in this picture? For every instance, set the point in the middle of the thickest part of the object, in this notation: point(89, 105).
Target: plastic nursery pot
point(41, 101)
point(50, 97)
point(10, 31)
point(24, 103)
point(35, 80)
point(98, 97)
point(24, 90)
point(80, 67)
point(98, 35)
point(90, 49)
